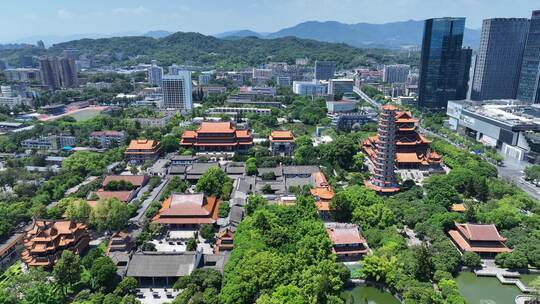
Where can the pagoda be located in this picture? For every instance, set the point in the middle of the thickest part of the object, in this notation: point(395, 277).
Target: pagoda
point(411, 148)
point(383, 156)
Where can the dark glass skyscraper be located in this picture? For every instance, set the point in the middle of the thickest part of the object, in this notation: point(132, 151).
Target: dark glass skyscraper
point(498, 62)
point(529, 80)
point(441, 63)
point(324, 70)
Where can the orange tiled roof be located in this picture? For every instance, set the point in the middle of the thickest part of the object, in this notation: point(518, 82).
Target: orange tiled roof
point(188, 209)
point(142, 144)
point(135, 180)
point(216, 127)
point(464, 245)
point(122, 196)
point(281, 135)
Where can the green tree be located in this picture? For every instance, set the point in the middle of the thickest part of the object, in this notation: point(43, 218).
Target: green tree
point(471, 260)
point(110, 214)
point(376, 215)
point(126, 286)
point(207, 232)
point(212, 182)
point(191, 245)
point(170, 143)
point(253, 202)
point(77, 210)
point(251, 166)
point(103, 274)
point(67, 270)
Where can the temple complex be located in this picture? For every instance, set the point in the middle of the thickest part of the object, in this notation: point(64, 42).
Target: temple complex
point(411, 148)
point(479, 238)
point(217, 136)
point(188, 210)
point(140, 150)
point(347, 242)
point(281, 142)
point(322, 194)
point(383, 153)
point(46, 240)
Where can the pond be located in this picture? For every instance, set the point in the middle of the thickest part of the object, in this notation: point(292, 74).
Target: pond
point(368, 295)
point(488, 290)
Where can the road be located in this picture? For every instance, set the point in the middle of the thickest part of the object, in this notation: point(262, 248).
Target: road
point(510, 171)
point(365, 97)
point(139, 218)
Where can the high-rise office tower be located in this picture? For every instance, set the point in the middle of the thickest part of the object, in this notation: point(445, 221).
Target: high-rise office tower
point(441, 63)
point(177, 91)
point(50, 74)
point(324, 70)
point(68, 72)
point(464, 72)
point(498, 61)
point(154, 73)
point(396, 73)
point(529, 80)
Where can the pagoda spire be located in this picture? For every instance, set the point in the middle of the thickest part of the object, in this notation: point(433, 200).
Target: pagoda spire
point(383, 178)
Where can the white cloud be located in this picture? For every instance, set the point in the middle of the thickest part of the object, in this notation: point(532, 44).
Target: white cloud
point(64, 13)
point(134, 11)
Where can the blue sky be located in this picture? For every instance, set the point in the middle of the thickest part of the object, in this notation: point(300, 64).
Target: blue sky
point(23, 18)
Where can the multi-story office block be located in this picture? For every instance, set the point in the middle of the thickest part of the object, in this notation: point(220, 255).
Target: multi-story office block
point(177, 91)
point(441, 63)
point(154, 73)
point(396, 73)
point(58, 72)
point(529, 81)
point(499, 57)
point(324, 70)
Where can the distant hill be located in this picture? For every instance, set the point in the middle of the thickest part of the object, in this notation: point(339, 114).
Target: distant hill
point(55, 39)
point(387, 35)
point(241, 52)
point(240, 34)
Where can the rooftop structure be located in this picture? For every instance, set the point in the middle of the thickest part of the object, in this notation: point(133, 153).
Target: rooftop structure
point(503, 124)
point(281, 142)
point(323, 193)
point(347, 242)
point(482, 239)
point(135, 180)
point(45, 241)
point(188, 210)
point(224, 241)
point(120, 241)
point(161, 267)
point(383, 178)
point(107, 139)
point(140, 150)
point(217, 136)
point(411, 148)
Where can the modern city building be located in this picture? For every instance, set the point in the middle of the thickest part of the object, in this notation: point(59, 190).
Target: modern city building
point(340, 86)
point(238, 111)
point(106, 139)
point(177, 91)
point(442, 63)
point(383, 178)
point(507, 125)
point(50, 142)
point(499, 57)
point(529, 80)
point(309, 88)
point(154, 73)
point(396, 73)
point(58, 72)
point(22, 74)
point(217, 136)
point(204, 79)
point(341, 106)
point(324, 70)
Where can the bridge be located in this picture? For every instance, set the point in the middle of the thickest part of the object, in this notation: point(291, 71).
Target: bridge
point(365, 97)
